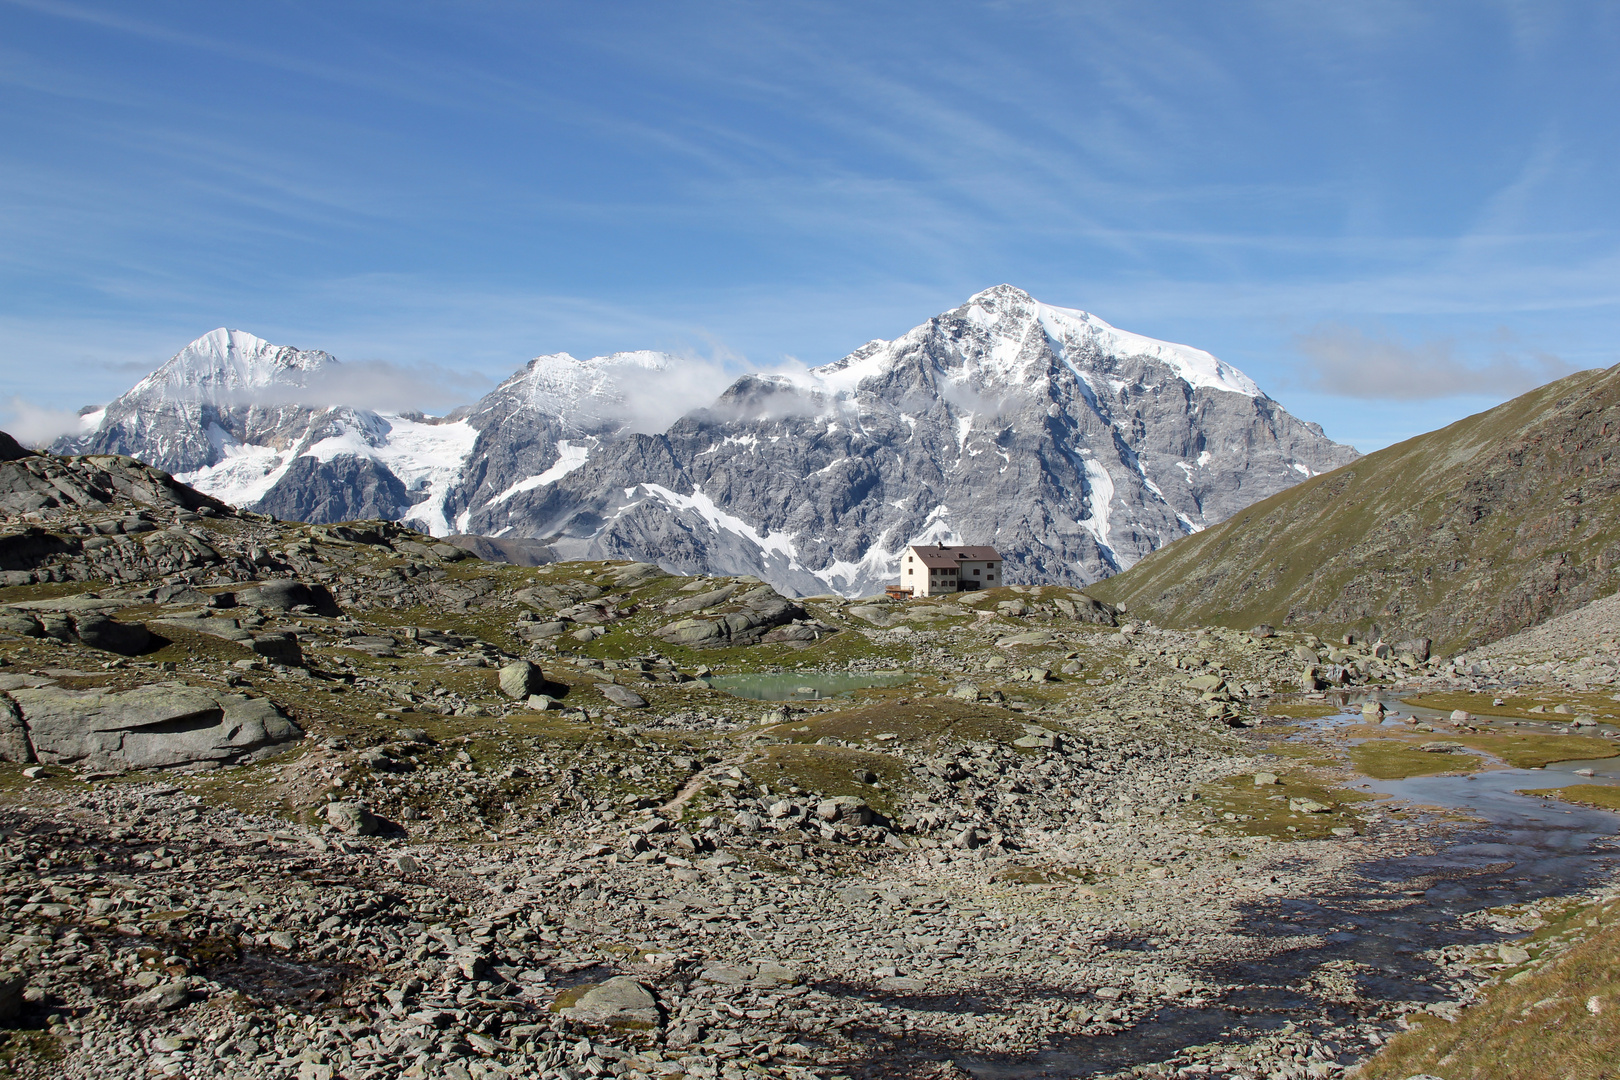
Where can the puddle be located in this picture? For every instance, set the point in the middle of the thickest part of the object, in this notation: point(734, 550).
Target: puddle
point(1380, 923)
point(803, 687)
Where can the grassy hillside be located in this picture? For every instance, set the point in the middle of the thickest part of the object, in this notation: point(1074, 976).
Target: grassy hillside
point(1463, 535)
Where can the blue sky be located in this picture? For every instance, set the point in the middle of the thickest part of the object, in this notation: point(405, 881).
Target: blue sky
point(1389, 214)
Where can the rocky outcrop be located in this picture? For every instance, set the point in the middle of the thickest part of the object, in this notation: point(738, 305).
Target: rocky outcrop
point(344, 488)
point(44, 482)
point(154, 726)
point(78, 620)
point(747, 621)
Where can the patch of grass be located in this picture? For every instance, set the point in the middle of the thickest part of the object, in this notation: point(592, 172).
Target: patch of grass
point(1562, 1020)
point(47, 590)
point(1258, 812)
point(1393, 759)
point(915, 724)
point(1601, 796)
point(830, 771)
point(1518, 706)
point(1531, 751)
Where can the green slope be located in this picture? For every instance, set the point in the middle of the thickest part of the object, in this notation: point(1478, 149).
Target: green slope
point(1464, 535)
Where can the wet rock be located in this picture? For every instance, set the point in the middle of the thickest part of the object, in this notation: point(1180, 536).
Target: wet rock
point(1308, 806)
point(520, 680)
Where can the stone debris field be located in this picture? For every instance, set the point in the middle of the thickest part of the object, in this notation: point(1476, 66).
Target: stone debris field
point(343, 801)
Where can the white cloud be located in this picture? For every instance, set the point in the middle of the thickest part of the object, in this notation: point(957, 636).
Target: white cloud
point(1346, 362)
point(36, 425)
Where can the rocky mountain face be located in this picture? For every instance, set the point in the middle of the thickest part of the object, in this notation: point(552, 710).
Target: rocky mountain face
point(1463, 535)
point(244, 420)
point(1073, 447)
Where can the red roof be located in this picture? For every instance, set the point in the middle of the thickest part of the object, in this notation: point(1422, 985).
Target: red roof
point(935, 556)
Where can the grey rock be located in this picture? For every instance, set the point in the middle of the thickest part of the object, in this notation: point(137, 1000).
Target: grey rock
point(153, 726)
point(1417, 648)
point(12, 984)
point(622, 695)
point(539, 631)
point(14, 744)
point(165, 997)
point(352, 819)
point(20, 623)
point(746, 621)
point(282, 594)
point(279, 647)
point(521, 679)
point(621, 1002)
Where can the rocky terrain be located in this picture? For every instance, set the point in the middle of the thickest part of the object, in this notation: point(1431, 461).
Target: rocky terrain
point(343, 801)
point(1464, 535)
point(1073, 447)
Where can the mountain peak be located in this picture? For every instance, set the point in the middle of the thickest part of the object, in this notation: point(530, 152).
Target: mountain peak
point(219, 366)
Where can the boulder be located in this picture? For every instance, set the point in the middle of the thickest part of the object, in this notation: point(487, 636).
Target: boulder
point(521, 680)
point(14, 745)
point(279, 647)
point(621, 1002)
point(539, 631)
point(746, 621)
point(20, 623)
point(99, 632)
point(155, 726)
point(284, 594)
point(165, 997)
point(1417, 648)
point(845, 808)
point(622, 696)
point(352, 819)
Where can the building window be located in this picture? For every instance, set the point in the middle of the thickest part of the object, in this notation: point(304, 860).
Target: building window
point(975, 573)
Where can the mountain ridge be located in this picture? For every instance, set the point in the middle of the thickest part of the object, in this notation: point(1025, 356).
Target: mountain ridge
point(1076, 446)
point(1462, 535)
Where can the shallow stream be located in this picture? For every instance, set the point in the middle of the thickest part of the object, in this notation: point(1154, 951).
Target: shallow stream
point(1516, 849)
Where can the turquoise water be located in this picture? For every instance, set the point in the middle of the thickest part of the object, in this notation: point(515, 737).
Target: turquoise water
point(802, 687)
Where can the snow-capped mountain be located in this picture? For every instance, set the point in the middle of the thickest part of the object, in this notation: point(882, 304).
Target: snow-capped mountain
point(1073, 447)
point(242, 419)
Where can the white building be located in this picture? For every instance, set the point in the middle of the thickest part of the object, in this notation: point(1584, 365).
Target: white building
point(931, 569)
